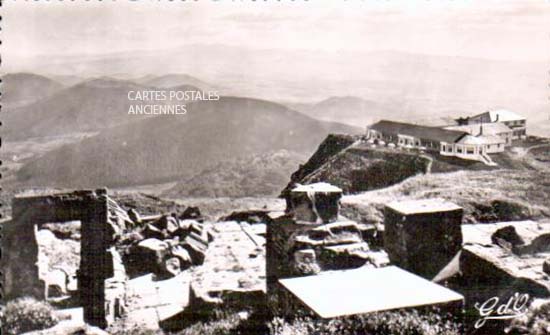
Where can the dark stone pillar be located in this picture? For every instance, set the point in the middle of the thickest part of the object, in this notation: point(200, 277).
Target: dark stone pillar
point(422, 236)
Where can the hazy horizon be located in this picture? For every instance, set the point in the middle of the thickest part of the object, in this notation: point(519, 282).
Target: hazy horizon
point(414, 58)
point(494, 30)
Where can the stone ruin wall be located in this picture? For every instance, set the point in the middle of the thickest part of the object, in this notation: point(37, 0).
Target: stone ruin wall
point(98, 259)
point(309, 239)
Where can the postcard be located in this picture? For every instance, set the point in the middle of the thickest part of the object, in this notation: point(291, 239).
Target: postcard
point(275, 167)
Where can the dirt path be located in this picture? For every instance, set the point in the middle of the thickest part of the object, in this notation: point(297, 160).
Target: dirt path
point(524, 151)
point(530, 160)
point(538, 146)
point(430, 163)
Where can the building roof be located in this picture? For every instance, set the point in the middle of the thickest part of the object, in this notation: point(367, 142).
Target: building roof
point(481, 140)
point(502, 115)
point(484, 128)
point(366, 290)
point(421, 206)
point(422, 132)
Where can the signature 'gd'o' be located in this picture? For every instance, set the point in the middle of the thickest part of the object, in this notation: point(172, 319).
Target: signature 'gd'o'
point(491, 310)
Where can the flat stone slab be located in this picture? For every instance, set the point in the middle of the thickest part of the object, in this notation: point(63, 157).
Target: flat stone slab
point(408, 207)
point(317, 187)
point(150, 302)
point(528, 267)
point(366, 290)
point(481, 233)
point(485, 261)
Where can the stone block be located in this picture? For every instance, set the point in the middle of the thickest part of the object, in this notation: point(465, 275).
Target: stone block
point(134, 216)
point(546, 266)
point(151, 231)
point(317, 203)
point(422, 236)
point(202, 238)
point(305, 262)
point(183, 255)
point(507, 237)
point(166, 223)
point(191, 212)
point(196, 249)
point(149, 255)
point(345, 256)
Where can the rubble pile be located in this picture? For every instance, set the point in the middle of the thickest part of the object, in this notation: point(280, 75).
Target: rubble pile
point(177, 266)
point(169, 245)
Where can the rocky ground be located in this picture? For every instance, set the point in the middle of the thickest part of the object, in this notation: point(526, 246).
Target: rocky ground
point(519, 189)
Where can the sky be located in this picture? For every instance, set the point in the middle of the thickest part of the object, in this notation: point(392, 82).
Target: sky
point(504, 30)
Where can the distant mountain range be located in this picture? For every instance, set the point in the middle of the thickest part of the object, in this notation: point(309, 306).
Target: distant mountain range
point(347, 109)
point(90, 106)
point(168, 148)
point(24, 88)
point(216, 138)
point(409, 86)
point(173, 80)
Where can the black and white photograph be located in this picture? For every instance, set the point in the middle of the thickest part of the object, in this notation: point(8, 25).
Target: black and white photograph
point(277, 167)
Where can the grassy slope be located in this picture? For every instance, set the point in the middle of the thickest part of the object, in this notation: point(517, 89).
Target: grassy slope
point(486, 196)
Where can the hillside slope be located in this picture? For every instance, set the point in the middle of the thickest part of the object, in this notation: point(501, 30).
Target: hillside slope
point(518, 188)
point(177, 147)
point(355, 166)
point(89, 106)
point(24, 88)
point(486, 196)
point(251, 176)
point(347, 162)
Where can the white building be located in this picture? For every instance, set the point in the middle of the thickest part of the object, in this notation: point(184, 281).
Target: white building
point(446, 142)
point(514, 121)
point(489, 131)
